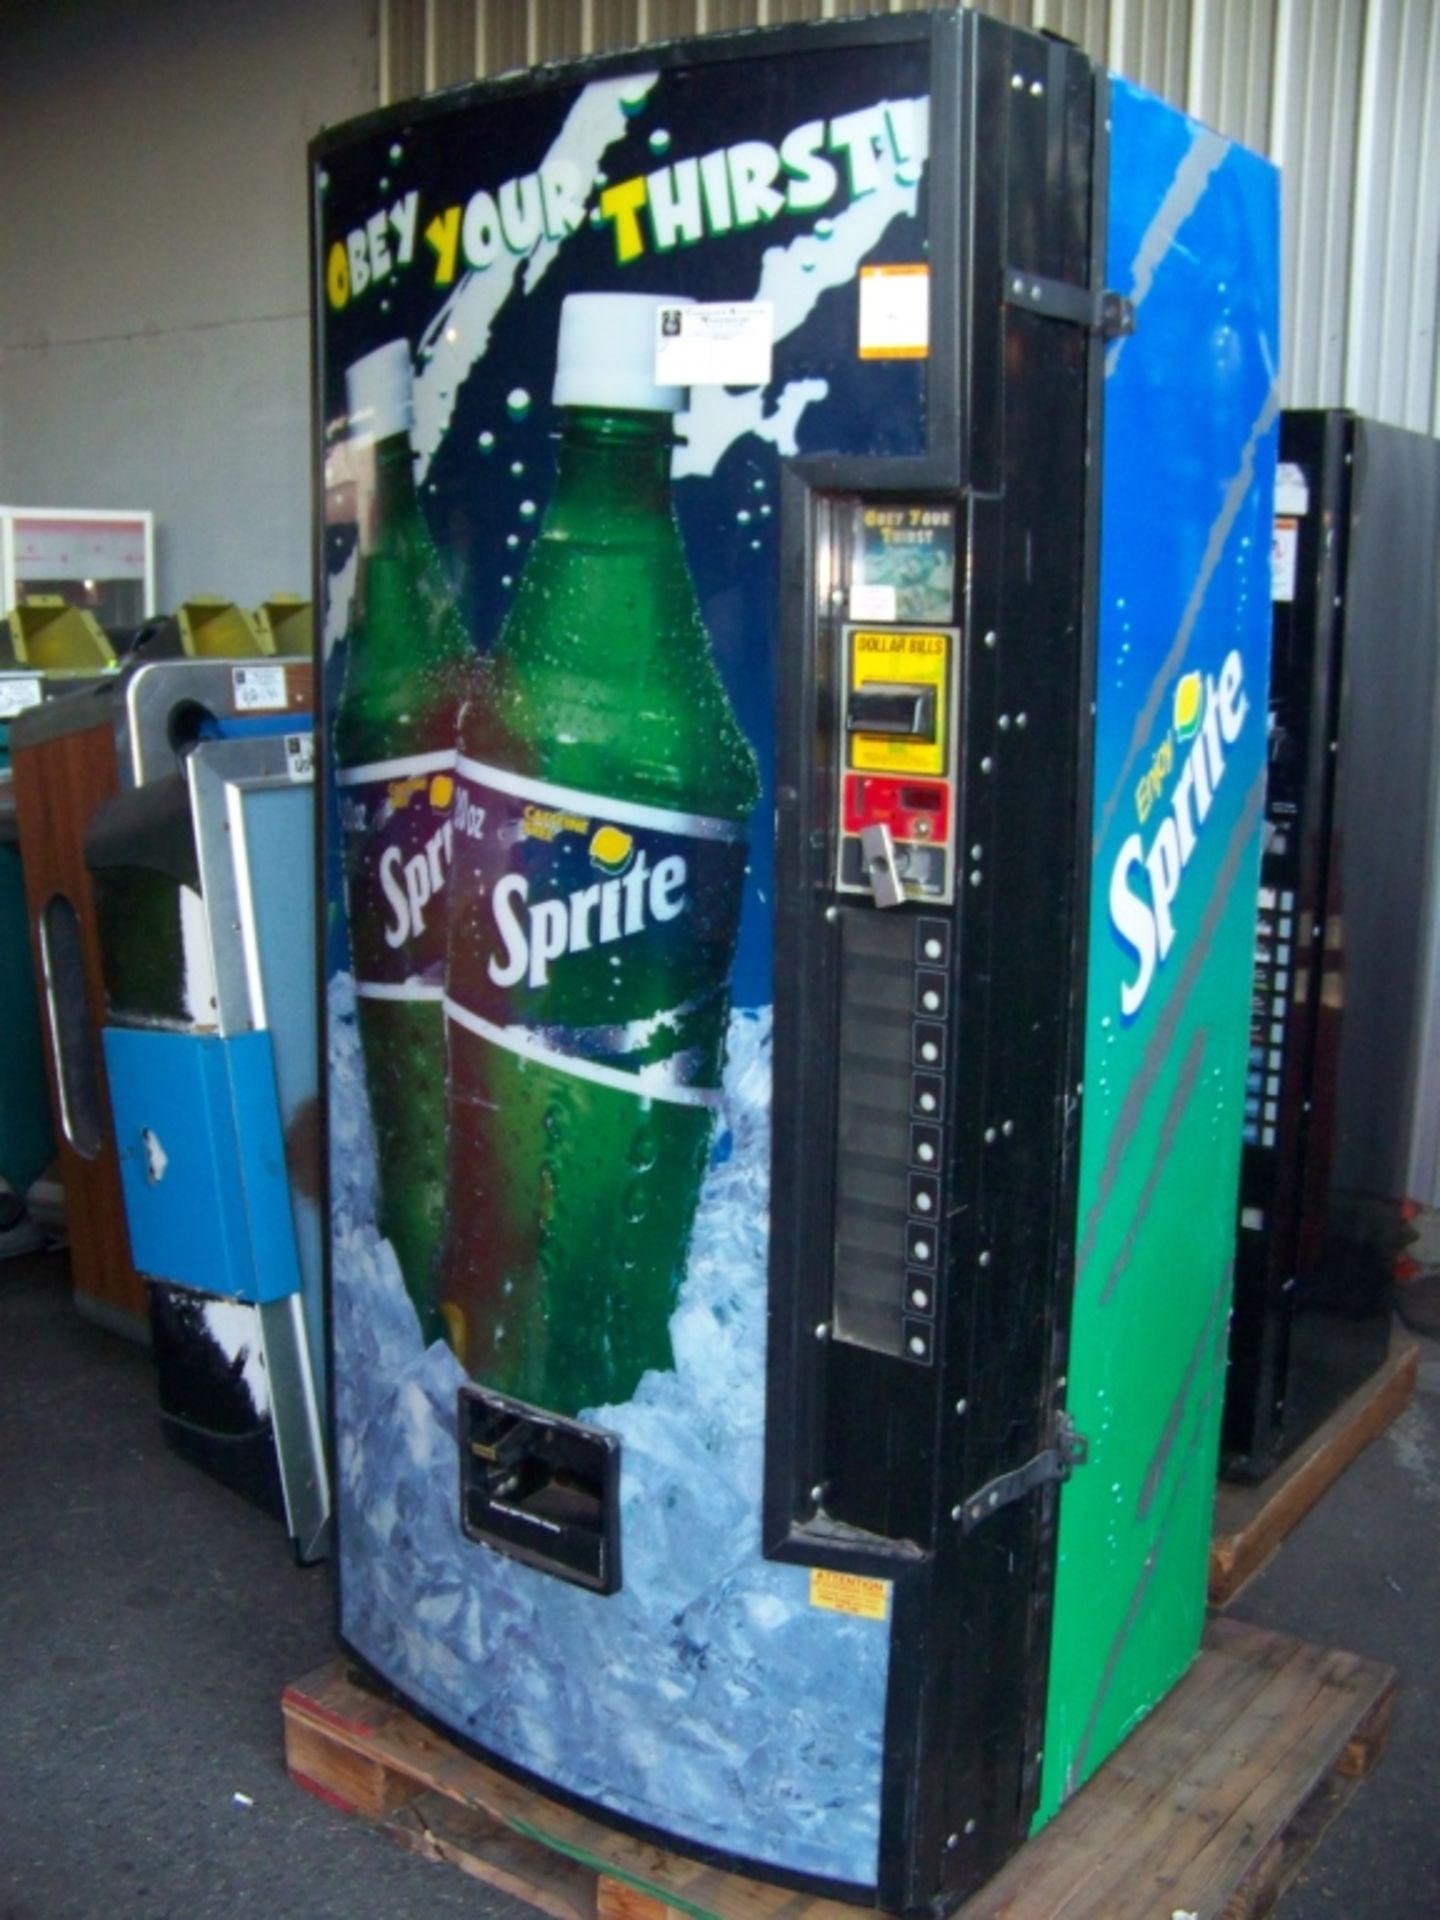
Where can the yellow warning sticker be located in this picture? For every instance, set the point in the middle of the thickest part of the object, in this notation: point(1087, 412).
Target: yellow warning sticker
point(849, 1593)
point(897, 657)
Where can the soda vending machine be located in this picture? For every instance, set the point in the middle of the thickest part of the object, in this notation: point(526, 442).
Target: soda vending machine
point(1339, 990)
point(793, 587)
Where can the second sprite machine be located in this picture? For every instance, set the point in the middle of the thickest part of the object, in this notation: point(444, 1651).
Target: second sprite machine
point(795, 586)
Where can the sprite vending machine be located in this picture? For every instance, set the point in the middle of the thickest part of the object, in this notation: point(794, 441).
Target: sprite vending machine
point(794, 575)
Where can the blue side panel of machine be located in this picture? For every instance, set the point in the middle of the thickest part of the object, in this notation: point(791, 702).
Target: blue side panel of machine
point(1191, 416)
point(202, 1161)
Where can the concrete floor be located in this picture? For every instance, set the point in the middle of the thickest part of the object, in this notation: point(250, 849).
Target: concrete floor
point(149, 1620)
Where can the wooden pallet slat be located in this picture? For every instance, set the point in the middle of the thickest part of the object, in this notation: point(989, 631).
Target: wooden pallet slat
point(1251, 1521)
point(1212, 1805)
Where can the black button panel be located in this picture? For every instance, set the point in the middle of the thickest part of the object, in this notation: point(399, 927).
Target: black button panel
point(924, 1188)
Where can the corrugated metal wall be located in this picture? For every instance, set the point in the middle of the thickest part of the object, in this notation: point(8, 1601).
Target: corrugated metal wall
point(1343, 93)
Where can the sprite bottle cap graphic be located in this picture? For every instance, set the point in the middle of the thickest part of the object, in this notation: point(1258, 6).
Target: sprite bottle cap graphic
point(380, 391)
point(1189, 705)
point(606, 355)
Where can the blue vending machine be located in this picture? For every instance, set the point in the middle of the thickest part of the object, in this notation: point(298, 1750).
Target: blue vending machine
point(205, 898)
point(793, 570)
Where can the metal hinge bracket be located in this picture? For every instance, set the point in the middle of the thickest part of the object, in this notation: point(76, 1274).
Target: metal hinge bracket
point(1106, 313)
point(1057, 1463)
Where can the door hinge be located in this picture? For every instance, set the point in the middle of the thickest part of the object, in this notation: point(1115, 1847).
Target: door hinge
point(1056, 1463)
point(1107, 313)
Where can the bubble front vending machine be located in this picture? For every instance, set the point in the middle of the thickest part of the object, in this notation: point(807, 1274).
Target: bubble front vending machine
point(794, 570)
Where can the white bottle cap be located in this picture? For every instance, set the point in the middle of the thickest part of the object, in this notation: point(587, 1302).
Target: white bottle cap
point(606, 356)
point(380, 390)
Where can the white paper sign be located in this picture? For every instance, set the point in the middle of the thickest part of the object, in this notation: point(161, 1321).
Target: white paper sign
point(1284, 550)
point(17, 692)
point(1292, 494)
point(300, 756)
point(260, 689)
point(714, 343)
point(894, 313)
point(872, 600)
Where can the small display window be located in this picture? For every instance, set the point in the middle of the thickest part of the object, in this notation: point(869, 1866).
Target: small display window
point(902, 560)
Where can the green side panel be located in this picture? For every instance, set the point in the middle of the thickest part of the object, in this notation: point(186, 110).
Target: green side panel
point(1190, 422)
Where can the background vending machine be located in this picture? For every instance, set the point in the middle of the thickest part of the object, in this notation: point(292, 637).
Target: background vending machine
point(793, 587)
point(1340, 963)
point(204, 901)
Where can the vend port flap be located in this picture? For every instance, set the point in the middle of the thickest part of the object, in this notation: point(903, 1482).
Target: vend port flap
point(541, 1488)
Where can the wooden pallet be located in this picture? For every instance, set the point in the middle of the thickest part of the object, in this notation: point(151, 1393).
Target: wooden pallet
point(1250, 1522)
point(1210, 1808)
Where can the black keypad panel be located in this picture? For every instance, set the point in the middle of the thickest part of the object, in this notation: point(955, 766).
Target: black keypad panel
point(890, 1166)
point(1275, 946)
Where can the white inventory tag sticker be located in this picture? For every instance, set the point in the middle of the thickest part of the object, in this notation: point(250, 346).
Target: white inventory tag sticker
point(1292, 492)
point(259, 689)
point(17, 692)
point(1284, 551)
point(300, 756)
point(714, 343)
point(872, 600)
point(895, 312)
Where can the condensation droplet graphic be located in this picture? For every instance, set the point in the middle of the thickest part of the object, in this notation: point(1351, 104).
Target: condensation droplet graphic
point(507, 580)
point(487, 441)
point(517, 467)
point(659, 141)
point(527, 509)
point(517, 403)
point(643, 1151)
point(397, 152)
point(743, 517)
point(824, 229)
point(512, 539)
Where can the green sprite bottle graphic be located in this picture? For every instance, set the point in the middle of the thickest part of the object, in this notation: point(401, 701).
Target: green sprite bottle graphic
point(603, 790)
point(394, 745)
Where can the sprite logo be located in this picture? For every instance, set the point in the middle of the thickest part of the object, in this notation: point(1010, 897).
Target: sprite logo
point(1145, 880)
point(1189, 705)
point(594, 916)
point(611, 849)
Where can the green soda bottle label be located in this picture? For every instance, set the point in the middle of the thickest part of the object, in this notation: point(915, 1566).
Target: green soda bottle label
point(396, 821)
point(597, 934)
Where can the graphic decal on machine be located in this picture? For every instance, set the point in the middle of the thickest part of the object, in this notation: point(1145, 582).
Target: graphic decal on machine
point(733, 1707)
point(396, 822)
point(559, 888)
